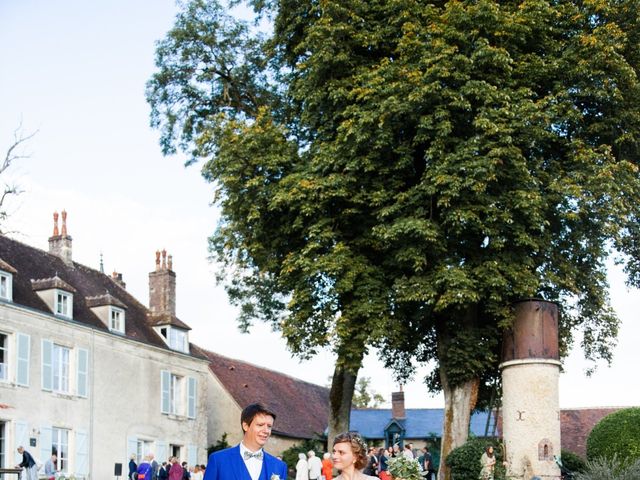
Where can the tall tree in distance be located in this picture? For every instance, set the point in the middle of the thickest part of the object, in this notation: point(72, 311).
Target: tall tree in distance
point(364, 396)
point(14, 153)
point(397, 174)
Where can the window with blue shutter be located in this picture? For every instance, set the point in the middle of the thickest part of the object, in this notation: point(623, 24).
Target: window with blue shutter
point(23, 342)
point(45, 442)
point(83, 373)
point(192, 454)
point(22, 438)
point(165, 384)
point(191, 398)
point(132, 447)
point(82, 453)
point(47, 365)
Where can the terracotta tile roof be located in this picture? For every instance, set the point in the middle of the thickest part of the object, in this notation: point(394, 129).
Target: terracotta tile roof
point(576, 424)
point(301, 408)
point(33, 263)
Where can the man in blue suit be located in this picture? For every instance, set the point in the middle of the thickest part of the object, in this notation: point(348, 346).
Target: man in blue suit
point(248, 460)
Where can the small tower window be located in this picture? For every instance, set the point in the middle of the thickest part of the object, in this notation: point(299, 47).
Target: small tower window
point(545, 450)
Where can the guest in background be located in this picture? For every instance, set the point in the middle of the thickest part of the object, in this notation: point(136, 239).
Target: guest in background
point(327, 466)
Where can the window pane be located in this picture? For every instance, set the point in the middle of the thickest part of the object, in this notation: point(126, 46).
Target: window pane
point(60, 446)
point(60, 368)
point(3, 356)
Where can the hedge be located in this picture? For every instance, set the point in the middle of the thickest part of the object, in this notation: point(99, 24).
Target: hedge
point(616, 435)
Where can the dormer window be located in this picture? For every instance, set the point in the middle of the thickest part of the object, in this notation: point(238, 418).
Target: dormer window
point(6, 281)
point(57, 294)
point(63, 304)
point(176, 338)
point(6, 286)
point(116, 319)
point(109, 310)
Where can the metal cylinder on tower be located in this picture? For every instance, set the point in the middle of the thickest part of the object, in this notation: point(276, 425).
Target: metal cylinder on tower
point(530, 400)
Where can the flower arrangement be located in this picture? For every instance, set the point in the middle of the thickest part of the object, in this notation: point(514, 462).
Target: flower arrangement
point(406, 469)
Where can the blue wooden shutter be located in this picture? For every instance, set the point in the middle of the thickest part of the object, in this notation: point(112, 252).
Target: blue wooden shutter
point(82, 453)
point(161, 451)
point(165, 381)
point(47, 365)
point(83, 373)
point(192, 455)
point(22, 438)
point(46, 439)
point(191, 397)
point(132, 448)
point(23, 342)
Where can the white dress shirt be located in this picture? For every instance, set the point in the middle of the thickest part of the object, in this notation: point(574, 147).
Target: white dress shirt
point(253, 464)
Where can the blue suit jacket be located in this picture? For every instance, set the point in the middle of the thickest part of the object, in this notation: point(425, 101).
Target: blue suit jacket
point(228, 465)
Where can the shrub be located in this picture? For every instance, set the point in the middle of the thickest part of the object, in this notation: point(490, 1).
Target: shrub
point(604, 468)
point(616, 435)
point(464, 461)
point(221, 444)
point(572, 462)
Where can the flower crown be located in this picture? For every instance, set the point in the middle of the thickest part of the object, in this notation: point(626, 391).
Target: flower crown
point(354, 436)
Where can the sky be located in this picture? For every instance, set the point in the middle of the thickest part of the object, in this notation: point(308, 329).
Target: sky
point(74, 72)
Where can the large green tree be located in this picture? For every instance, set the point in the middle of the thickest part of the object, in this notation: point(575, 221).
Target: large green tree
point(397, 173)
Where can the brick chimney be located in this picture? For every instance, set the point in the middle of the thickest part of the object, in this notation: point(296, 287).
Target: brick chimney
point(162, 286)
point(60, 242)
point(117, 277)
point(397, 404)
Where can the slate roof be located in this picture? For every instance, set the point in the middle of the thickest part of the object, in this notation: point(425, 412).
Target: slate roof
point(301, 408)
point(35, 264)
point(419, 422)
point(576, 425)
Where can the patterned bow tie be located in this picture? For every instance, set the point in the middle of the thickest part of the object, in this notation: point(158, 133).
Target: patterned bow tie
point(257, 455)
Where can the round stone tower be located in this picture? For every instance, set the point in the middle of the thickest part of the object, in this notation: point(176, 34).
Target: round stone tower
point(530, 401)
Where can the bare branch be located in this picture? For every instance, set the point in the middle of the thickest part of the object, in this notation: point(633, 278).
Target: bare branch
point(13, 153)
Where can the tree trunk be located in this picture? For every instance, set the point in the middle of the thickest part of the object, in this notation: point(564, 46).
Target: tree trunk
point(342, 388)
point(459, 402)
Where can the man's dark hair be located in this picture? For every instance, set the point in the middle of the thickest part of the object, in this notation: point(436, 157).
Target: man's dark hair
point(250, 412)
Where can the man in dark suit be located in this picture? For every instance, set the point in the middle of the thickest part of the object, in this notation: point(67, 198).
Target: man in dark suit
point(248, 460)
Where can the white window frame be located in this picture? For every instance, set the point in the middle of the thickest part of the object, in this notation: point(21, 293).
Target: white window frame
point(4, 360)
point(176, 394)
point(63, 303)
point(6, 286)
point(120, 315)
point(143, 447)
point(178, 339)
point(58, 440)
point(61, 368)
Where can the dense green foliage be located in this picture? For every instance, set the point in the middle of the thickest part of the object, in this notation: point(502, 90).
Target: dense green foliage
point(464, 461)
point(397, 173)
point(616, 435)
point(364, 396)
point(609, 469)
point(573, 462)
